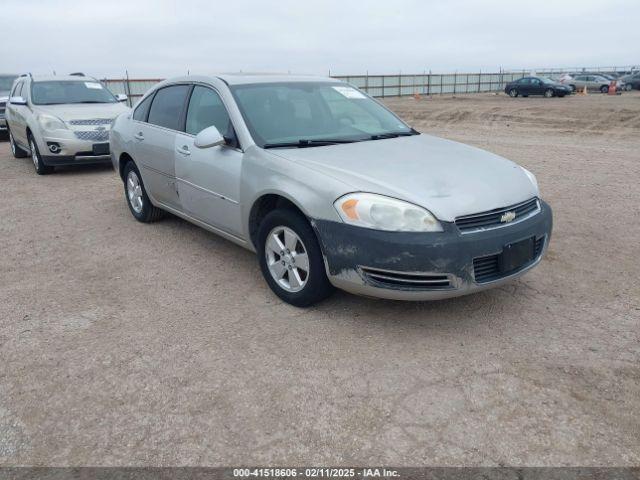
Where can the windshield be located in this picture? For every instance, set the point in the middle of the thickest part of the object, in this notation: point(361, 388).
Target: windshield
point(313, 113)
point(546, 80)
point(5, 83)
point(64, 92)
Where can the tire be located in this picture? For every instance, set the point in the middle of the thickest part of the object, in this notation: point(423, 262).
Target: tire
point(136, 196)
point(548, 93)
point(287, 228)
point(38, 164)
point(15, 149)
point(604, 89)
point(628, 87)
point(513, 93)
point(573, 88)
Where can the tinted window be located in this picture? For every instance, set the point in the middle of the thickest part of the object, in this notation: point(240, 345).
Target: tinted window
point(206, 109)
point(524, 81)
point(141, 111)
point(167, 106)
point(70, 92)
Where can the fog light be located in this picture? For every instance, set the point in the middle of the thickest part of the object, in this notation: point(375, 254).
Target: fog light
point(53, 147)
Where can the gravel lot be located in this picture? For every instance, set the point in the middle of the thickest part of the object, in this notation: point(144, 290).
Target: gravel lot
point(131, 344)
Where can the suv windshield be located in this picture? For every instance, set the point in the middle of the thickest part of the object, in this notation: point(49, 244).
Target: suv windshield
point(64, 92)
point(5, 83)
point(313, 114)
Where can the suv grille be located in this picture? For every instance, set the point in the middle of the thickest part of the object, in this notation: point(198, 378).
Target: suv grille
point(487, 269)
point(95, 121)
point(414, 281)
point(93, 136)
point(493, 218)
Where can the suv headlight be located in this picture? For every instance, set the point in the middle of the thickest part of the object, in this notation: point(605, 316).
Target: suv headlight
point(49, 122)
point(378, 212)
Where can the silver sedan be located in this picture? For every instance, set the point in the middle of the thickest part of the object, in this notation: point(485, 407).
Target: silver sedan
point(329, 187)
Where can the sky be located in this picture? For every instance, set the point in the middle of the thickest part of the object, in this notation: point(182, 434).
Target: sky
point(163, 38)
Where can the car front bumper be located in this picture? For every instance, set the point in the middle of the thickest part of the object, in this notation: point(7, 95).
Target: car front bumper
point(72, 151)
point(426, 266)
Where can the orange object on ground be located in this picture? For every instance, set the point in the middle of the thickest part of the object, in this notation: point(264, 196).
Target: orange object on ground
point(612, 87)
point(416, 96)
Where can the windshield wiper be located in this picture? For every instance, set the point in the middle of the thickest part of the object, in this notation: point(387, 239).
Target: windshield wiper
point(381, 136)
point(92, 101)
point(302, 143)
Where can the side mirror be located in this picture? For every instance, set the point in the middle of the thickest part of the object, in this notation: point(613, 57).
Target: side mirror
point(18, 101)
point(209, 137)
point(122, 97)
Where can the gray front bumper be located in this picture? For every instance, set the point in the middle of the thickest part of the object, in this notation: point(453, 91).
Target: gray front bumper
point(350, 252)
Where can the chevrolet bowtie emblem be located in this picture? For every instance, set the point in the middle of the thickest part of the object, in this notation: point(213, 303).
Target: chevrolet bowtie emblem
point(507, 217)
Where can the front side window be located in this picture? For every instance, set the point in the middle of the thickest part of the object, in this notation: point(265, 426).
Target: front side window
point(58, 92)
point(284, 112)
point(17, 90)
point(167, 106)
point(205, 110)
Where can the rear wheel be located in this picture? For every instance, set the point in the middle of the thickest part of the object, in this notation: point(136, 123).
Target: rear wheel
point(604, 88)
point(291, 260)
point(38, 164)
point(137, 199)
point(513, 93)
point(549, 93)
point(15, 149)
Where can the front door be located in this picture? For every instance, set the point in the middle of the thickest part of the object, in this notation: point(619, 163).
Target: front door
point(209, 178)
point(155, 144)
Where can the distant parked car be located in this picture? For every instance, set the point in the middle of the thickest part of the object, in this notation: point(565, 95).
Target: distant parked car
point(631, 81)
point(593, 82)
point(61, 120)
point(536, 86)
point(5, 87)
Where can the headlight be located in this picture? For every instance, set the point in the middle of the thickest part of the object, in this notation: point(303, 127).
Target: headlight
point(532, 177)
point(49, 122)
point(378, 212)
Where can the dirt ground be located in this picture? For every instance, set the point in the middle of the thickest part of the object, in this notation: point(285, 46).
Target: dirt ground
point(131, 344)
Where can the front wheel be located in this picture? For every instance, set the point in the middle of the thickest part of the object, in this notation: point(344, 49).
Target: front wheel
point(604, 89)
point(291, 260)
point(137, 199)
point(513, 93)
point(38, 164)
point(549, 93)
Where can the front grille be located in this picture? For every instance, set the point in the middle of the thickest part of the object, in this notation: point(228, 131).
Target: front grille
point(487, 269)
point(93, 136)
point(404, 280)
point(93, 121)
point(3, 106)
point(494, 218)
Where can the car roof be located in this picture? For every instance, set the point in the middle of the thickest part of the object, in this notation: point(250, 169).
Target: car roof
point(62, 78)
point(252, 78)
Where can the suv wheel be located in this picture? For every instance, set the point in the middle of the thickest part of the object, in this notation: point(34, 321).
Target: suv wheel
point(15, 149)
point(513, 93)
point(291, 260)
point(137, 199)
point(41, 168)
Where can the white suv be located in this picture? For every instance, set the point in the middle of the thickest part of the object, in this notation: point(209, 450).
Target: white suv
point(61, 120)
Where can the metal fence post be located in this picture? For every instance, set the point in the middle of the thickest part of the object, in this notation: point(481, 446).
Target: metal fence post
point(382, 77)
point(455, 82)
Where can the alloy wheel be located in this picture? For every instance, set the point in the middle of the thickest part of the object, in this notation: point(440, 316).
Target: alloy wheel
point(287, 259)
point(134, 191)
point(34, 154)
point(12, 143)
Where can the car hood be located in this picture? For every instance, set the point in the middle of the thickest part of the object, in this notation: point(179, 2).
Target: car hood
point(85, 111)
point(448, 178)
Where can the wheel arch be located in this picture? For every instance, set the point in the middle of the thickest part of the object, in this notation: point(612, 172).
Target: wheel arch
point(265, 203)
point(123, 159)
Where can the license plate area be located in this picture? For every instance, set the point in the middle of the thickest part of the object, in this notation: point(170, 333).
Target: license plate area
point(101, 149)
point(516, 255)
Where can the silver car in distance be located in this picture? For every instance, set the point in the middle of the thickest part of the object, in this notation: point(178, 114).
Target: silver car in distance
point(329, 187)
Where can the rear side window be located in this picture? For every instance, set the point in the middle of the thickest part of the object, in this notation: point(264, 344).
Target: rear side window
point(141, 111)
point(206, 109)
point(167, 106)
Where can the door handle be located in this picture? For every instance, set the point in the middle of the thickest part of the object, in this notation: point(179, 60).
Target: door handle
point(184, 150)
point(139, 136)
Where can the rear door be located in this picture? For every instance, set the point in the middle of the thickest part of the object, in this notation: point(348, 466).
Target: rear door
point(537, 87)
point(524, 86)
point(155, 143)
point(209, 178)
point(17, 116)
